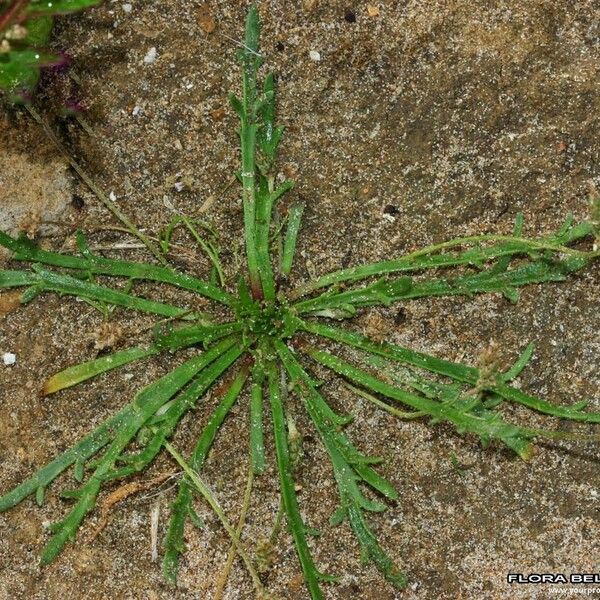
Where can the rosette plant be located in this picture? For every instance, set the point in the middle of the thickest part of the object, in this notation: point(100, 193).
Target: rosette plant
point(274, 332)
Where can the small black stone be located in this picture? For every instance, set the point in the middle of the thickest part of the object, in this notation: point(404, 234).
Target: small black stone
point(400, 316)
point(77, 202)
point(280, 46)
point(390, 209)
point(350, 15)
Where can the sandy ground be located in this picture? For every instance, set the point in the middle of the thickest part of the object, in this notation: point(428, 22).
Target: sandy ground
point(420, 123)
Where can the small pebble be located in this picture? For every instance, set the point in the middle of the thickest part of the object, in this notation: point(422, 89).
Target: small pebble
point(77, 202)
point(136, 110)
point(112, 196)
point(127, 7)
point(9, 358)
point(150, 56)
point(314, 55)
point(206, 20)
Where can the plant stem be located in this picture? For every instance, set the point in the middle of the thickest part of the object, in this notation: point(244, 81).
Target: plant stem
point(111, 206)
point(222, 581)
point(213, 503)
point(377, 402)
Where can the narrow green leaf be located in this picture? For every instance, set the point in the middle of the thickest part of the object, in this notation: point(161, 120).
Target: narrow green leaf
point(252, 31)
point(237, 106)
point(195, 519)
point(173, 338)
point(59, 7)
point(87, 447)
point(48, 281)
point(159, 428)
point(324, 419)
point(353, 502)
point(264, 211)
point(489, 281)
point(519, 365)
point(79, 470)
point(456, 371)
point(514, 437)
point(383, 292)
point(30, 294)
point(436, 256)
point(201, 487)
point(289, 245)
point(257, 444)
point(174, 544)
point(24, 249)
point(143, 406)
point(180, 509)
point(83, 371)
point(371, 550)
point(288, 492)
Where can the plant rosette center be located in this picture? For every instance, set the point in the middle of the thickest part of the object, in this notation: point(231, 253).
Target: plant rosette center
point(265, 320)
